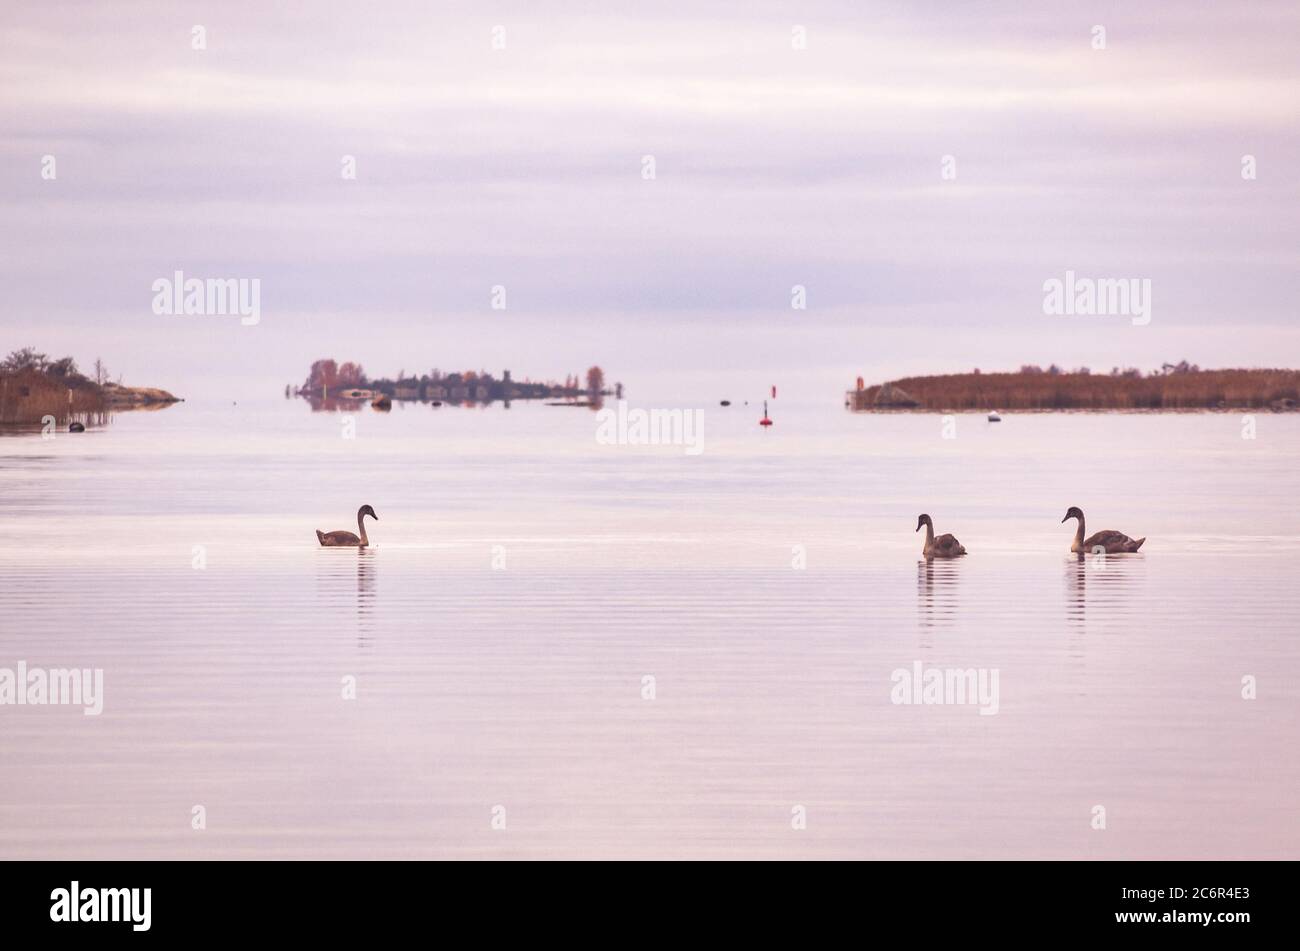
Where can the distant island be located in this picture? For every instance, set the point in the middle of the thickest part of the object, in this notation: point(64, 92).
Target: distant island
point(34, 387)
point(1174, 386)
point(329, 383)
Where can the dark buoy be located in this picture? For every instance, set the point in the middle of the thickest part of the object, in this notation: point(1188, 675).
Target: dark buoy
point(77, 427)
point(726, 402)
point(437, 402)
point(765, 421)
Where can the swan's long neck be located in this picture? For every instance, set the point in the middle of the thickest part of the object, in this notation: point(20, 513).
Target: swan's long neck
point(1078, 535)
point(361, 528)
point(929, 533)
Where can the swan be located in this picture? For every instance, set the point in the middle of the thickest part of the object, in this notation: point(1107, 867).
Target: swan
point(945, 546)
point(347, 539)
point(1111, 542)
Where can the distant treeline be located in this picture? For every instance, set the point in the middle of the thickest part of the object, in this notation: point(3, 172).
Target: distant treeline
point(1174, 387)
point(33, 386)
point(328, 378)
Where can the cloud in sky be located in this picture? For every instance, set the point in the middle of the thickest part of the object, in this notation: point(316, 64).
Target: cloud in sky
point(774, 167)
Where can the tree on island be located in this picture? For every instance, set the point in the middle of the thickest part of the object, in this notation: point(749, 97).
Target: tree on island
point(25, 359)
point(324, 373)
point(334, 379)
point(66, 367)
point(29, 360)
point(351, 374)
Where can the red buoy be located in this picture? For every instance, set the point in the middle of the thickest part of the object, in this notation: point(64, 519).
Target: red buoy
point(765, 421)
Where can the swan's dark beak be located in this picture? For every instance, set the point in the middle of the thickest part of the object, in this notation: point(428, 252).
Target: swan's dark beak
point(1066, 519)
point(918, 527)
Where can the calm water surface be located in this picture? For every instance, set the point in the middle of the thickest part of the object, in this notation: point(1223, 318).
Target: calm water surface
point(524, 580)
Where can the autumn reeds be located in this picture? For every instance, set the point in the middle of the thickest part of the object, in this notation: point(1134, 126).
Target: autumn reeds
point(28, 396)
point(1197, 389)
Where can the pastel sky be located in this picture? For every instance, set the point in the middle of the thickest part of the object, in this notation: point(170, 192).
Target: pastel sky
point(774, 166)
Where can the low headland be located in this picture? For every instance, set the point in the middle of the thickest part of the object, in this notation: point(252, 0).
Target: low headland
point(1173, 387)
point(33, 387)
point(330, 384)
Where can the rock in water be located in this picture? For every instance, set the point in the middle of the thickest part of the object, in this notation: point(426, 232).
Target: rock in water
point(891, 396)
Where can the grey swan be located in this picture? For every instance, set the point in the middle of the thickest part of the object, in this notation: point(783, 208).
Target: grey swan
point(1111, 542)
point(945, 546)
point(347, 539)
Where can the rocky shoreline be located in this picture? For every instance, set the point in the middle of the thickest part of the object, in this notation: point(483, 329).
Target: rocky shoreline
point(128, 397)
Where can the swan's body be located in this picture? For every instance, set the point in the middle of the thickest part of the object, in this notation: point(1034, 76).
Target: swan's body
point(347, 539)
point(945, 546)
point(1109, 541)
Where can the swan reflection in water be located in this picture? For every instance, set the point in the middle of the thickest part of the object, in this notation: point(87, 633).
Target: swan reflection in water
point(937, 590)
point(1112, 580)
point(345, 584)
point(365, 593)
point(366, 580)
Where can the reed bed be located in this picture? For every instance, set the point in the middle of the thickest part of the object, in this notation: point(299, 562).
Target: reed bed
point(1201, 389)
point(28, 396)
